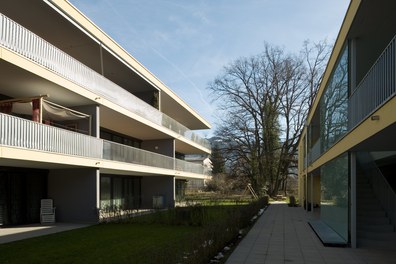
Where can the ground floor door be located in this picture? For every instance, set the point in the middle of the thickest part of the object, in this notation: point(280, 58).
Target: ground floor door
point(21, 190)
point(120, 192)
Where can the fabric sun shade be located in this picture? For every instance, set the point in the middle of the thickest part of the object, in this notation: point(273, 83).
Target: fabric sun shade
point(50, 111)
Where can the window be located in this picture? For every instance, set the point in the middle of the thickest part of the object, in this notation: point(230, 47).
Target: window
point(119, 138)
point(334, 105)
point(334, 179)
point(120, 192)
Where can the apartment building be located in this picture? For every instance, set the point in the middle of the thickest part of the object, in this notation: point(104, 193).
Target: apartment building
point(348, 148)
point(82, 122)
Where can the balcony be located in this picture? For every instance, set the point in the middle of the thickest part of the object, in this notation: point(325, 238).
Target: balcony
point(22, 133)
point(186, 166)
point(377, 87)
point(127, 154)
point(314, 153)
point(25, 43)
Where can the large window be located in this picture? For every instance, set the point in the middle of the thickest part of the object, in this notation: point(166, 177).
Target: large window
point(334, 104)
point(119, 138)
point(334, 179)
point(117, 192)
point(180, 188)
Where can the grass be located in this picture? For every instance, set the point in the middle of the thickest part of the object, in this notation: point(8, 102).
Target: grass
point(190, 235)
point(104, 243)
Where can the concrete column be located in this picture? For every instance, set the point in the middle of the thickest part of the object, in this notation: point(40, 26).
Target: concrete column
point(312, 193)
point(353, 198)
point(93, 125)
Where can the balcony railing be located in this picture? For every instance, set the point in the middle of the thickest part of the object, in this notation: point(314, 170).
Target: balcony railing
point(23, 133)
point(378, 86)
point(186, 166)
point(127, 154)
point(314, 152)
point(27, 44)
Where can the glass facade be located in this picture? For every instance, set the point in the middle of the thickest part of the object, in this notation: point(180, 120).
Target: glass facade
point(334, 179)
point(119, 138)
point(180, 188)
point(117, 192)
point(334, 104)
point(20, 193)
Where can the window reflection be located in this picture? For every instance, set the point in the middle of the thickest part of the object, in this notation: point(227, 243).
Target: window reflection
point(334, 198)
point(334, 104)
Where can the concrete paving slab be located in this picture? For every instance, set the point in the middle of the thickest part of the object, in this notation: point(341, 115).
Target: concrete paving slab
point(10, 234)
point(284, 236)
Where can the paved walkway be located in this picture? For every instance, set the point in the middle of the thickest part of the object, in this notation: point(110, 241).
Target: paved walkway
point(10, 234)
point(282, 235)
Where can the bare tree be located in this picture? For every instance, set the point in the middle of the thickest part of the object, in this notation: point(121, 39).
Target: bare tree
point(264, 100)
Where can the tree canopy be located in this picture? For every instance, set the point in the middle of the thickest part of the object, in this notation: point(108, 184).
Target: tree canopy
point(264, 100)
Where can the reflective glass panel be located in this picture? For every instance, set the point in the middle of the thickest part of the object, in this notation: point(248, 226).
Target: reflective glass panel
point(335, 196)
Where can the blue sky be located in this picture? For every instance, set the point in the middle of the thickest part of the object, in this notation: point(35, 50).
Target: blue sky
point(187, 43)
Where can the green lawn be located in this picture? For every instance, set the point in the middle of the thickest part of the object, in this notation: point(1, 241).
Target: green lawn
point(105, 243)
point(190, 235)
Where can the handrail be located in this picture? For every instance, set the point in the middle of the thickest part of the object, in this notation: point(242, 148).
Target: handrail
point(22, 133)
point(27, 44)
point(383, 191)
point(365, 99)
point(123, 153)
point(182, 165)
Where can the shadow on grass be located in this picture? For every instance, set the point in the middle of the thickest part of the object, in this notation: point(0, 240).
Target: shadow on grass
point(181, 235)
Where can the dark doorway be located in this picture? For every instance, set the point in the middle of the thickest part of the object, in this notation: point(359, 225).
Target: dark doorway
point(20, 193)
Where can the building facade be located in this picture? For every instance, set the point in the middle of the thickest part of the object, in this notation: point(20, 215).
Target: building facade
point(84, 123)
point(347, 151)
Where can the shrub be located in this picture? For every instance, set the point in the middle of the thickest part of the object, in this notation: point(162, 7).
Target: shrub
point(218, 225)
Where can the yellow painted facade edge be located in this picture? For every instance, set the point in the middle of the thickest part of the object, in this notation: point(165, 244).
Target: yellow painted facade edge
point(339, 44)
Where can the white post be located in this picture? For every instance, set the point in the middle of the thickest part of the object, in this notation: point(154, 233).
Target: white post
point(97, 180)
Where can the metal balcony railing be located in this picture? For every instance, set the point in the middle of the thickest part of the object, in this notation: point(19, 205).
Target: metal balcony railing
point(20, 40)
point(378, 86)
point(23, 133)
point(127, 154)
